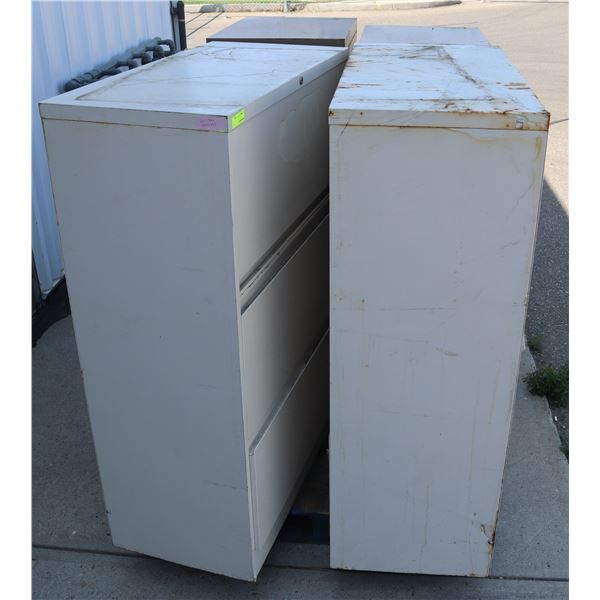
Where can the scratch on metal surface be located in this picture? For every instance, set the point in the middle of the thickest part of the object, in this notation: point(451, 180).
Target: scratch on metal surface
point(223, 485)
point(509, 244)
point(425, 526)
point(446, 352)
point(444, 55)
point(347, 86)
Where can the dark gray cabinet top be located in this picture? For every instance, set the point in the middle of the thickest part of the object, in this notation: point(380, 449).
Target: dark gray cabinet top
point(313, 31)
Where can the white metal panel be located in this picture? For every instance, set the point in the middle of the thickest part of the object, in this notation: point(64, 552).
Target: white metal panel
point(216, 80)
point(429, 284)
point(398, 34)
point(435, 86)
point(155, 312)
point(69, 38)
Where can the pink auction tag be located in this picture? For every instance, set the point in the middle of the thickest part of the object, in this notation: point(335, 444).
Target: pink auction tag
point(209, 123)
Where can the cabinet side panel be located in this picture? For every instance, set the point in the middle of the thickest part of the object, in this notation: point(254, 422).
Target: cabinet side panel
point(432, 236)
point(145, 221)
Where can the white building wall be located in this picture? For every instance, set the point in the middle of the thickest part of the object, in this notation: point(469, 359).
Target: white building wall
point(69, 38)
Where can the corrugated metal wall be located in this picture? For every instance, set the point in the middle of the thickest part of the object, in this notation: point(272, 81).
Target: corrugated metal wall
point(69, 38)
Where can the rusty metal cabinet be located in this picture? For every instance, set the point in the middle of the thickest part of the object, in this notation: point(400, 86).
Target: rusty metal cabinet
point(437, 158)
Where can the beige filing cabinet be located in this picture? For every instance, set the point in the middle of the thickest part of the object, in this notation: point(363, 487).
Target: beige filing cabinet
point(192, 200)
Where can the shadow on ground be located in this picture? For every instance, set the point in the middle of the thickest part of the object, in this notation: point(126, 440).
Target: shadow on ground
point(548, 310)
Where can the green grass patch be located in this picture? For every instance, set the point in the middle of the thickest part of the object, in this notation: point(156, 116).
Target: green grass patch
point(534, 343)
point(550, 382)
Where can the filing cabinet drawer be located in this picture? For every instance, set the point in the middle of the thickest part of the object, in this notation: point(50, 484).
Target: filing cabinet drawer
point(282, 325)
point(286, 447)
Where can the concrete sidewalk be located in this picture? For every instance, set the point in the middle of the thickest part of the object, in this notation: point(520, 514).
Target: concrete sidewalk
point(73, 556)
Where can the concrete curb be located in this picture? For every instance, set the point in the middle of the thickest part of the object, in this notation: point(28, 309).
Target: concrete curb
point(328, 6)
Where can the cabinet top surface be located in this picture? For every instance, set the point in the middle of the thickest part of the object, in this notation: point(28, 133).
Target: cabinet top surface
point(396, 34)
point(225, 82)
point(329, 31)
point(418, 85)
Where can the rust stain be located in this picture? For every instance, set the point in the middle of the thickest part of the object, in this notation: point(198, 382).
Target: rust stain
point(490, 532)
point(547, 121)
point(538, 146)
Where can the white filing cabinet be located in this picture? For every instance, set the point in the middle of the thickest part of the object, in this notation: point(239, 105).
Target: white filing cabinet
point(398, 34)
point(191, 195)
point(437, 157)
